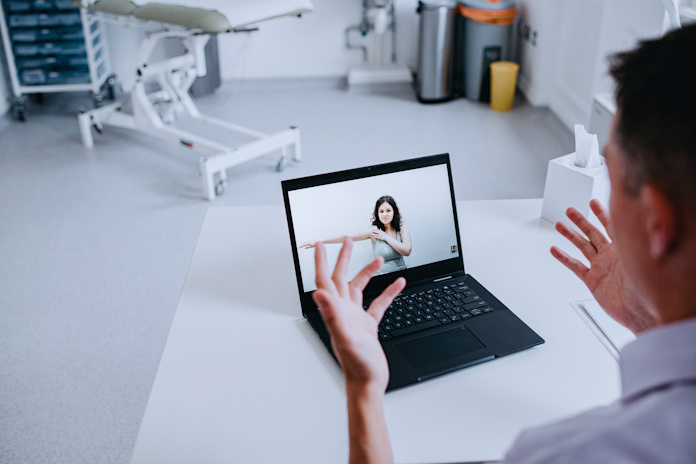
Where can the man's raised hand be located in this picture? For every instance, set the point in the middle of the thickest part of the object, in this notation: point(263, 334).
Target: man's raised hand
point(605, 277)
point(353, 330)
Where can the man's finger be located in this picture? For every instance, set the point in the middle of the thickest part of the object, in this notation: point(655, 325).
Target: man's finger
point(596, 237)
point(327, 310)
point(587, 248)
point(573, 264)
point(339, 275)
point(322, 278)
point(360, 281)
point(358, 284)
point(602, 214)
point(382, 302)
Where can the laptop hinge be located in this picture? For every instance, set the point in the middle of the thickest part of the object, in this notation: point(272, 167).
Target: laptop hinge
point(417, 283)
point(454, 275)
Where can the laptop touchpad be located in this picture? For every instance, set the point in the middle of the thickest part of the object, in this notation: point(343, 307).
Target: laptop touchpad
point(435, 348)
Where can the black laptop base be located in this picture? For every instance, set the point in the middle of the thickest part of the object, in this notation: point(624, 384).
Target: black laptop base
point(449, 346)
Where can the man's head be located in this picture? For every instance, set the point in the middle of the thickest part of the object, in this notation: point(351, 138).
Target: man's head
point(651, 157)
point(656, 127)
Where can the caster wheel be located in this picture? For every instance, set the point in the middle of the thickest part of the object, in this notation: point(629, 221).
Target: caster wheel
point(220, 188)
point(19, 109)
point(280, 165)
point(98, 128)
point(98, 100)
point(111, 88)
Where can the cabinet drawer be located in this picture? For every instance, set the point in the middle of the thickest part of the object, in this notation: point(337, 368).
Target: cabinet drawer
point(49, 19)
point(73, 48)
point(24, 35)
point(18, 6)
point(41, 5)
point(26, 49)
point(25, 20)
point(67, 77)
point(64, 5)
point(36, 62)
point(59, 19)
point(33, 77)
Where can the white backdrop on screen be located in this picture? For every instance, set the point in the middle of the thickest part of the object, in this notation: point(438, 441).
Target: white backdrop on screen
point(336, 210)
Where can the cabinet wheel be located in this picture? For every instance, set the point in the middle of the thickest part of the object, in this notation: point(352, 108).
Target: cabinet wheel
point(220, 188)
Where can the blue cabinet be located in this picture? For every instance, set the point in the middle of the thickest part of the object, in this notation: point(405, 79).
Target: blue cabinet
point(51, 46)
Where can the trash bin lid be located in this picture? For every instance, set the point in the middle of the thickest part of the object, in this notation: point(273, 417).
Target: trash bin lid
point(488, 4)
point(434, 4)
point(495, 12)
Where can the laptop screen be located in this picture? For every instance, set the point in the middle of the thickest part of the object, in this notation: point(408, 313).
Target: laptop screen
point(406, 216)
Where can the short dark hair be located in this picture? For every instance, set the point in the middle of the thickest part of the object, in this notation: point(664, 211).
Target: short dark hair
point(396, 220)
point(656, 127)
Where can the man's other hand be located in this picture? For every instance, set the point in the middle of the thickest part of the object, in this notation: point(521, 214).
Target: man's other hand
point(353, 330)
point(605, 277)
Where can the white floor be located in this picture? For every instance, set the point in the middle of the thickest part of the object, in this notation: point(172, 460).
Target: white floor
point(95, 243)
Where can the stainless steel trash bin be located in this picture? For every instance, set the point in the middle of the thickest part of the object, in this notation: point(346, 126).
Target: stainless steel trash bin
point(434, 77)
point(486, 38)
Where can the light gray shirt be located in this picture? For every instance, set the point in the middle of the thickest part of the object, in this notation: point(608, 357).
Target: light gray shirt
point(393, 261)
point(653, 422)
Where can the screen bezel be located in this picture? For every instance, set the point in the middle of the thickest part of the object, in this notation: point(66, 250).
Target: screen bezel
point(378, 283)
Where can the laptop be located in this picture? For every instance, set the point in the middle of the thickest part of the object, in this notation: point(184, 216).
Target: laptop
point(444, 320)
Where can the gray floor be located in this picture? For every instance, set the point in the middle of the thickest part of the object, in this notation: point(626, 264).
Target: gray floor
point(95, 243)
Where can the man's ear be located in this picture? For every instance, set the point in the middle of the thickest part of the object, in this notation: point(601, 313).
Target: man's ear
point(661, 220)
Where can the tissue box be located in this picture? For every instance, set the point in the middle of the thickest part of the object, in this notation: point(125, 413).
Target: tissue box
point(569, 185)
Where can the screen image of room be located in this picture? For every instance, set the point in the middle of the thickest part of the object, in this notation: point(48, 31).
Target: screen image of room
point(331, 212)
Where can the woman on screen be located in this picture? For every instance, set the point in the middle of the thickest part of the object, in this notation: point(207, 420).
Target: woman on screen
point(390, 237)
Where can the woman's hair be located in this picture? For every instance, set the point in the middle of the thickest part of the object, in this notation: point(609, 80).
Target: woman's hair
point(396, 220)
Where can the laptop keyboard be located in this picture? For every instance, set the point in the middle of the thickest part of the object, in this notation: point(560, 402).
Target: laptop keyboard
point(414, 311)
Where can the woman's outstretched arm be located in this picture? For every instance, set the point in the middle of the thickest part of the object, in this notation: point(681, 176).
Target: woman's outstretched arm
point(362, 235)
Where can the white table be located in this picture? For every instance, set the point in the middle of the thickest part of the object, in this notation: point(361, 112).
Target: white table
point(244, 379)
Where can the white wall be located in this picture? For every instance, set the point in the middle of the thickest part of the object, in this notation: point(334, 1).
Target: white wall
point(569, 63)
point(576, 59)
point(311, 46)
point(537, 60)
point(622, 31)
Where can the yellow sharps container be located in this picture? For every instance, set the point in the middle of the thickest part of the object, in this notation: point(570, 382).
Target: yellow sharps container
point(503, 84)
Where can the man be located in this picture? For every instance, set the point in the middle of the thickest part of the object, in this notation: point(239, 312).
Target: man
point(644, 278)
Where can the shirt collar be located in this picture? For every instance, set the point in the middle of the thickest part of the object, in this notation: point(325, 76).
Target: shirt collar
point(658, 358)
